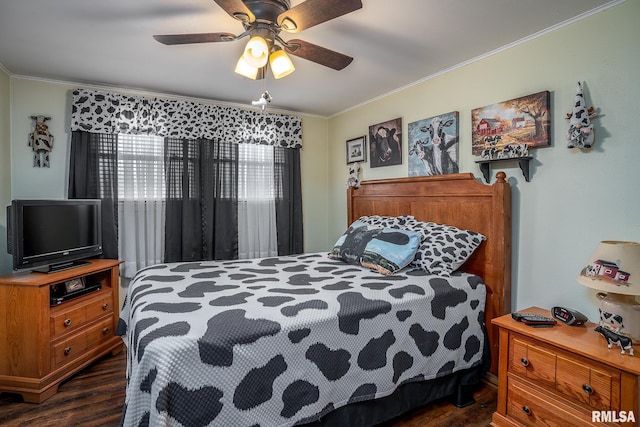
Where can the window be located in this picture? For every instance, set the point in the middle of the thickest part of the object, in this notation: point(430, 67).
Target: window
point(255, 172)
point(140, 167)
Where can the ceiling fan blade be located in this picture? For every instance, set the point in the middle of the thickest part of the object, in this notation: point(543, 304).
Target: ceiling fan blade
point(237, 9)
point(314, 12)
point(171, 39)
point(318, 54)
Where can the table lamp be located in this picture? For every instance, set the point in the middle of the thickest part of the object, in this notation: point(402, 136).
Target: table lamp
point(614, 270)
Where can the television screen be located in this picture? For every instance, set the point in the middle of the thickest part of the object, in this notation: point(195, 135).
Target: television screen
point(54, 233)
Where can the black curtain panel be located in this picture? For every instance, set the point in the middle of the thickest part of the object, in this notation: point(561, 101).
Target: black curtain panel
point(288, 201)
point(202, 200)
point(93, 174)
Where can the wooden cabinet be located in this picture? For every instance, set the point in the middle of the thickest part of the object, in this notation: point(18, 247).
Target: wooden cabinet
point(41, 345)
point(563, 376)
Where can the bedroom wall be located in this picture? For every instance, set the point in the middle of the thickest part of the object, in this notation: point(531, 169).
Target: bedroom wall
point(5, 167)
point(30, 96)
point(575, 198)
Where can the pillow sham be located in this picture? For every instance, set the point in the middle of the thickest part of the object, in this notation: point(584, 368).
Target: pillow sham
point(382, 221)
point(443, 248)
point(385, 250)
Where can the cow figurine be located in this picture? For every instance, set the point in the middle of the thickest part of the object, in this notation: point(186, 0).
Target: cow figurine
point(612, 338)
point(354, 171)
point(41, 142)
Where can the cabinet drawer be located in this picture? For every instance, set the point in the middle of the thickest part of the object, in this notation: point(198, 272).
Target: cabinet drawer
point(530, 361)
point(95, 310)
point(588, 384)
point(69, 349)
point(99, 333)
point(533, 409)
point(76, 345)
point(576, 378)
point(66, 321)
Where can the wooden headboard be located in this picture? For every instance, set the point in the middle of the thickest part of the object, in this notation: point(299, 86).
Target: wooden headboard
point(462, 201)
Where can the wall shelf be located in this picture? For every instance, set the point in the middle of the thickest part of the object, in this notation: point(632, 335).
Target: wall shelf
point(523, 162)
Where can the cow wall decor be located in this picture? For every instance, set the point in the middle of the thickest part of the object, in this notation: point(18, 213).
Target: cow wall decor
point(433, 145)
point(580, 134)
point(41, 142)
point(385, 143)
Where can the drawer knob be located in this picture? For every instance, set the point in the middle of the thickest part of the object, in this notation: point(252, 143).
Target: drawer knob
point(67, 350)
point(67, 322)
point(105, 331)
point(587, 389)
point(105, 306)
point(524, 362)
point(526, 410)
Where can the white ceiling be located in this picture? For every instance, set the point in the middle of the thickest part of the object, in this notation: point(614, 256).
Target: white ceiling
point(394, 44)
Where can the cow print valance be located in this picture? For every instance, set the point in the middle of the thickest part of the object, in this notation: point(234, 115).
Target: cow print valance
point(104, 112)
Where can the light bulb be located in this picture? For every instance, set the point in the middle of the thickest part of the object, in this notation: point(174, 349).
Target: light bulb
point(256, 53)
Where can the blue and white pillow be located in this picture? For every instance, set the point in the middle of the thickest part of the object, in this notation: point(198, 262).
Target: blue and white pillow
point(385, 250)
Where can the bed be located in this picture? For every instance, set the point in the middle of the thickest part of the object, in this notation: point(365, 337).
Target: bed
point(311, 339)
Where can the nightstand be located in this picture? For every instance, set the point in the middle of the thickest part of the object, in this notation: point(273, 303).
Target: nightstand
point(563, 376)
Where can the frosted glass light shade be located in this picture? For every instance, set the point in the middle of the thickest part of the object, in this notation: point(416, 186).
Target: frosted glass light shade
point(244, 69)
point(281, 64)
point(256, 53)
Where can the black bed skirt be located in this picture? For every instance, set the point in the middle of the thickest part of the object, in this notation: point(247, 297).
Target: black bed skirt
point(458, 387)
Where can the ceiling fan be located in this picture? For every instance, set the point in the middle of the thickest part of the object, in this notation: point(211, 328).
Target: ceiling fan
point(263, 20)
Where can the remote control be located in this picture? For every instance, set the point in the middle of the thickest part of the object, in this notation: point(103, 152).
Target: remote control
point(533, 319)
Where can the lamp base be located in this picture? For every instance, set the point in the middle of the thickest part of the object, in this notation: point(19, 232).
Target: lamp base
point(620, 314)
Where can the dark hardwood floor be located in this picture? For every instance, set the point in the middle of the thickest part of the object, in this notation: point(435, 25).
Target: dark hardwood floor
point(94, 397)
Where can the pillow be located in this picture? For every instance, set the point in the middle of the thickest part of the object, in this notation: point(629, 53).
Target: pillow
point(443, 248)
point(381, 221)
point(385, 250)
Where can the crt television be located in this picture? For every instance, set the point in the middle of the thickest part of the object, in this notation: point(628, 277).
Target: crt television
point(50, 235)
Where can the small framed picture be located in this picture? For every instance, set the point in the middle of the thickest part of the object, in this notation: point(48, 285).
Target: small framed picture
point(74, 285)
point(356, 150)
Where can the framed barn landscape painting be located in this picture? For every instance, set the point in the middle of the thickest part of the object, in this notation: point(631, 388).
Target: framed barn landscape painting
point(433, 145)
point(385, 143)
point(520, 122)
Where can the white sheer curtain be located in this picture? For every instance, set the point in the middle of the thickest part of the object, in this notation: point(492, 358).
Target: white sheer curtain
point(141, 210)
point(257, 235)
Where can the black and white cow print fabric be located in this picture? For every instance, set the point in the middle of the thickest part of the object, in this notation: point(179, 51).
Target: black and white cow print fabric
point(103, 112)
point(283, 341)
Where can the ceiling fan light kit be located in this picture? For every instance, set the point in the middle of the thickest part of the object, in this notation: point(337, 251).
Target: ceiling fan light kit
point(263, 20)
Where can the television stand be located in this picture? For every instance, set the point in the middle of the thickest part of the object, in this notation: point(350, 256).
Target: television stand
point(52, 268)
point(41, 345)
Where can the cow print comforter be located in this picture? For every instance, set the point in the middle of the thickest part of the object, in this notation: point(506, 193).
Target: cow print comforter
point(283, 341)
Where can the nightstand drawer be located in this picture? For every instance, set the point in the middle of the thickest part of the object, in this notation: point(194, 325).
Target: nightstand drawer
point(529, 360)
point(533, 409)
point(580, 380)
point(588, 384)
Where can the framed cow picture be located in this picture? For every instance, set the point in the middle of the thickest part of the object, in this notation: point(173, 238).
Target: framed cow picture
point(356, 150)
point(511, 128)
point(385, 143)
point(433, 145)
